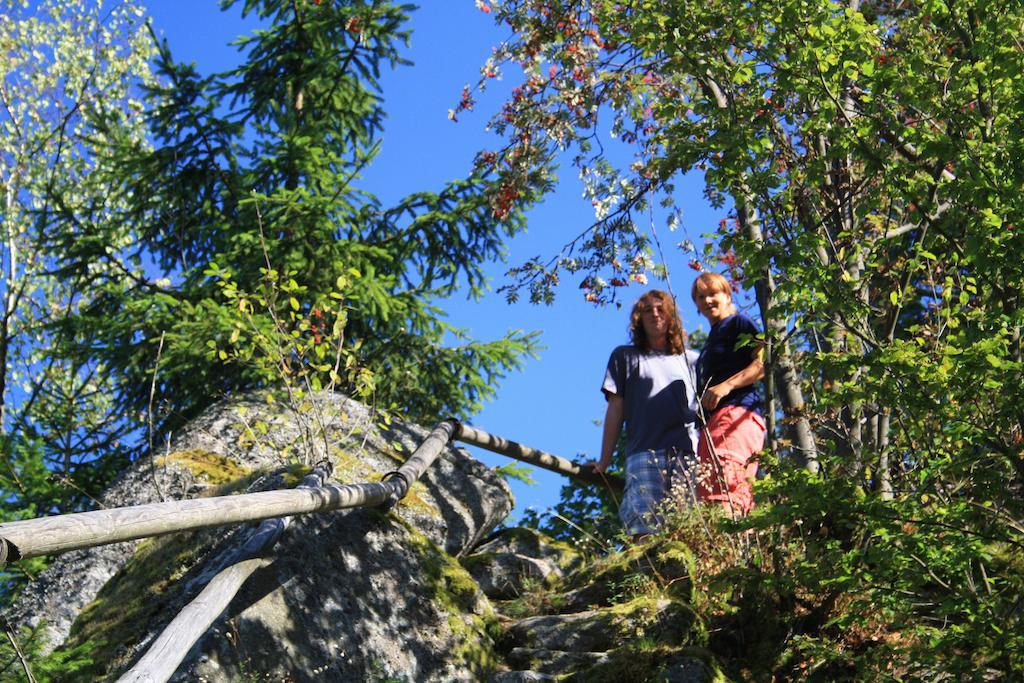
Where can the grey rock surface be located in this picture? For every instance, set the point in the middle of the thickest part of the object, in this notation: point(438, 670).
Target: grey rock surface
point(583, 631)
point(553, 661)
point(50, 604)
point(598, 643)
point(588, 596)
point(503, 576)
point(351, 595)
point(520, 677)
point(508, 562)
point(531, 543)
point(371, 603)
point(688, 670)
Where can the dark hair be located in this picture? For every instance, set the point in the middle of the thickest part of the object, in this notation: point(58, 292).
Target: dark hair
point(675, 333)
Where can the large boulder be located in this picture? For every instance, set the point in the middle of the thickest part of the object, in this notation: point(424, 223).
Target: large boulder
point(357, 594)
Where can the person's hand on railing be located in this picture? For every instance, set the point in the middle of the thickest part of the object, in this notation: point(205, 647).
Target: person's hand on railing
point(596, 466)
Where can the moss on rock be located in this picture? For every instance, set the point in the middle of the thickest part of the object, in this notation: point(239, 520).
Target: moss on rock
point(212, 468)
point(140, 591)
point(619, 577)
point(350, 469)
point(472, 621)
point(148, 583)
point(656, 615)
point(535, 543)
point(643, 621)
point(643, 660)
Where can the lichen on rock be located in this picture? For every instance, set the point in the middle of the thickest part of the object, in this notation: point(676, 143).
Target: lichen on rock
point(214, 468)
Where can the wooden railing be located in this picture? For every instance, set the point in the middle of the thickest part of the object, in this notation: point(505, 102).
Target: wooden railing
point(51, 535)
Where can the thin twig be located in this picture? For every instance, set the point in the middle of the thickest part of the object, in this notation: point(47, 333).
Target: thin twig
point(580, 529)
point(9, 632)
point(149, 419)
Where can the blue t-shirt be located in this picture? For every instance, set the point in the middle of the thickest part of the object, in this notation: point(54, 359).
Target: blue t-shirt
point(724, 354)
point(658, 398)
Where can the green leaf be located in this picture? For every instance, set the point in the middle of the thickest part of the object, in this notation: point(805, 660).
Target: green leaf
point(517, 472)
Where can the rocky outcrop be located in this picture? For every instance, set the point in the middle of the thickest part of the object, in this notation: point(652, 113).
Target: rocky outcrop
point(352, 595)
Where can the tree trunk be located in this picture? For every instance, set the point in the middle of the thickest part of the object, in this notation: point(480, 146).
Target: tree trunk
point(785, 372)
point(884, 473)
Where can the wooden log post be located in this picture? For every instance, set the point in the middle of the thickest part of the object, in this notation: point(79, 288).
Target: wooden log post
point(168, 650)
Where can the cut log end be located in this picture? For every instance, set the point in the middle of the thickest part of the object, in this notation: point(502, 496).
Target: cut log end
point(8, 552)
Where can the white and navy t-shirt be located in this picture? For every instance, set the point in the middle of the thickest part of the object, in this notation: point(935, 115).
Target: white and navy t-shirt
point(658, 395)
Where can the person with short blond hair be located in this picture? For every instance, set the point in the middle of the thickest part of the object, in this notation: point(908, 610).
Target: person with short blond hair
point(649, 386)
point(728, 370)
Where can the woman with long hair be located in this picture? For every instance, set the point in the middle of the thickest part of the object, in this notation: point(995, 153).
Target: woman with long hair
point(649, 388)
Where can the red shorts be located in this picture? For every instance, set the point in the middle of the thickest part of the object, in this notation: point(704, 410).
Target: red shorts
point(727, 475)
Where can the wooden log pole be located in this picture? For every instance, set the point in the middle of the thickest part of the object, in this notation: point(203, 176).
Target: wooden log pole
point(518, 451)
point(163, 657)
point(51, 535)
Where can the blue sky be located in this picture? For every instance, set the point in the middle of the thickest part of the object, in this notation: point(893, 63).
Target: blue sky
point(554, 403)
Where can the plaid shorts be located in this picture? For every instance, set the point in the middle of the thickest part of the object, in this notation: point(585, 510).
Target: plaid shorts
point(650, 476)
